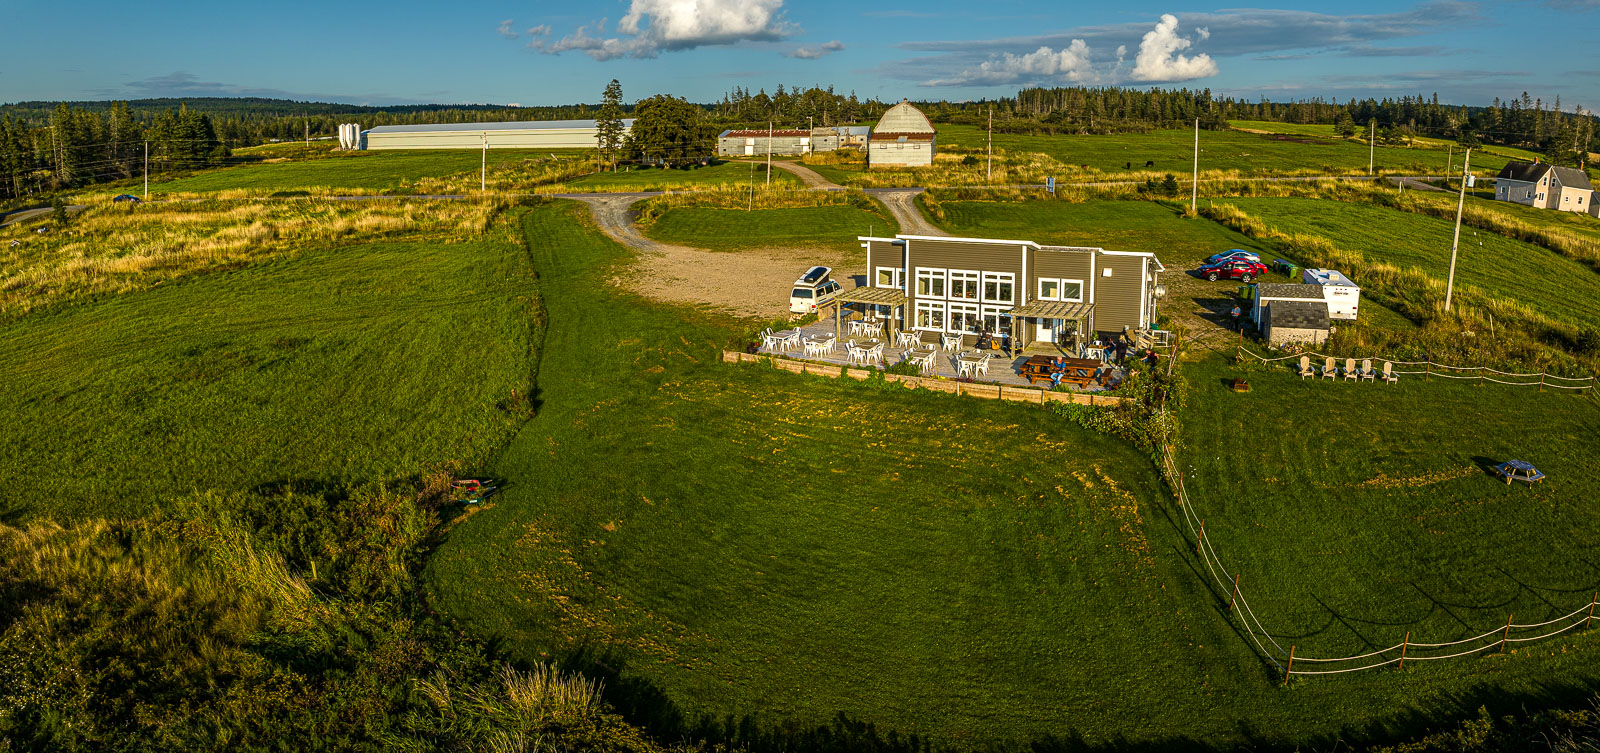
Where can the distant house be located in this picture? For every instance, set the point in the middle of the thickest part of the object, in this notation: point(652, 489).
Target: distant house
point(1594, 204)
point(523, 134)
point(904, 137)
point(1545, 186)
point(753, 142)
point(1295, 322)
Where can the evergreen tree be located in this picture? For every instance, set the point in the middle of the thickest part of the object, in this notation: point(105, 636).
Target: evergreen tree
point(608, 122)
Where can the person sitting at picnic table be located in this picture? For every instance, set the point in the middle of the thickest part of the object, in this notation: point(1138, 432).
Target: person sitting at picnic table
point(1058, 368)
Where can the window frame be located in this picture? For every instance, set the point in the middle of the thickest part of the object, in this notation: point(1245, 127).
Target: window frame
point(971, 277)
point(970, 313)
point(998, 278)
point(933, 274)
point(1002, 322)
point(930, 307)
point(896, 274)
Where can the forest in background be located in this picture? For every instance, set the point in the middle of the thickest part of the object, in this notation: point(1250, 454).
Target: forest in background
point(55, 146)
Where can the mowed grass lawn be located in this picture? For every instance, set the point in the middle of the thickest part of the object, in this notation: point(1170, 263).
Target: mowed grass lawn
point(831, 227)
point(346, 364)
point(1325, 131)
point(656, 178)
point(733, 542)
point(1541, 279)
point(1356, 513)
point(1173, 151)
point(376, 171)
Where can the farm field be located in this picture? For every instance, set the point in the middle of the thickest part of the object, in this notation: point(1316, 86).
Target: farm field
point(1325, 131)
point(729, 542)
point(1172, 151)
point(1541, 279)
point(347, 364)
point(372, 171)
point(1373, 515)
point(829, 227)
point(653, 179)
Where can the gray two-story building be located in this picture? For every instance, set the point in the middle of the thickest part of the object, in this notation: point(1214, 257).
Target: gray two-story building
point(1015, 289)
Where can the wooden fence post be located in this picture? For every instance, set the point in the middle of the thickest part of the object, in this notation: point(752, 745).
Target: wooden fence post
point(1427, 370)
point(1235, 596)
point(1290, 669)
point(1198, 540)
point(1590, 621)
point(1480, 376)
point(1403, 647)
point(1506, 634)
point(1541, 378)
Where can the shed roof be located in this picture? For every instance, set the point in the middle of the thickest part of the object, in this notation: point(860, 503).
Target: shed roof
point(747, 133)
point(903, 118)
point(878, 296)
point(1298, 315)
point(516, 125)
point(1289, 290)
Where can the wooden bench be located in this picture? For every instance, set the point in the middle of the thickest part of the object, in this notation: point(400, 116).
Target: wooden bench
point(1076, 371)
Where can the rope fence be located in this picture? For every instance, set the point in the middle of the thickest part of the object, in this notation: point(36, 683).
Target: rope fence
point(1286, 660)
point(1433, 369)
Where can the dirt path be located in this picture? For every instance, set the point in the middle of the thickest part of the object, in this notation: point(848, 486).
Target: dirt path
point(810, 177)
point(901, 203)
point(752, 283)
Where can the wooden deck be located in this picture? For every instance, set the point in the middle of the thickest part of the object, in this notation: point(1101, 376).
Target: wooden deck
point(1003, 369)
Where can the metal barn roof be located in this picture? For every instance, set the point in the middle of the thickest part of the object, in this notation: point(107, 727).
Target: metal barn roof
point(518, 125)
point(904, 118)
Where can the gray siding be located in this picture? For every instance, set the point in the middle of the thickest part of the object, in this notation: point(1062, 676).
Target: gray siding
point(1070, 265)
point(1118, 299)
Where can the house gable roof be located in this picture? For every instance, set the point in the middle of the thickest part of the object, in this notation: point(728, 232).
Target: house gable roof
point(1527, 172)
point(1572, 177)
point(1289, 290)
point(1298, 315)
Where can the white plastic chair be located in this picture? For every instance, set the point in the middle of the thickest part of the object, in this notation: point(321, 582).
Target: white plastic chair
point(983, 364)
point(908, 339)
point(950, 342)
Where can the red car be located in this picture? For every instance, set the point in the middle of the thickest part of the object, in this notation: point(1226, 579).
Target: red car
point(1242, 270)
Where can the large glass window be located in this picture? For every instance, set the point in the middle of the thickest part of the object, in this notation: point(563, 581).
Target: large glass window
point(997, 320)
point(997, 287)
point(963, 285)
point(1058, 289)
point(964, 318)
point(930, 283)
point(888, 277)
point(930, 315)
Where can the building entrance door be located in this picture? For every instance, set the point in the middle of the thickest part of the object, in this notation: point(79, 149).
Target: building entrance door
point(1047, 330)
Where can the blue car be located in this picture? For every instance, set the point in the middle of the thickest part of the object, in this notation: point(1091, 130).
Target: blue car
point(125, 197)
point(1237, 253)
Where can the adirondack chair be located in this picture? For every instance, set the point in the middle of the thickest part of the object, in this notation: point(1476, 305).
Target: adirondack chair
point(1388, 373)
point(1366, 369)
point(1329, 371)
point(1305, 367)
point(1350, 369)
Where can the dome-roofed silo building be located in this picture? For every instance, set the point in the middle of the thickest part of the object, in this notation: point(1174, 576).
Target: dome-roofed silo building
point(904, 138)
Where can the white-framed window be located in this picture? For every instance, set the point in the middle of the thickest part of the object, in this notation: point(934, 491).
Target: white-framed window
point(997, 319)
point(930, 283)
point(999, 287)
point(930, 315)
point(1060, 289)
point(888, 277)
point(964, 285)
point(965, 318)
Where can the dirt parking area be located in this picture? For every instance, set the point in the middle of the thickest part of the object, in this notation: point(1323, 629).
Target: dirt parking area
point(751, 283)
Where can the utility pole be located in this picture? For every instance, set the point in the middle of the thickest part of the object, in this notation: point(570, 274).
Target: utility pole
point(1194, 194)
point(1372, 144)
point(308, 136)
point(990, 177)
point(752, 205)
point(769, 154)
point(483, 179)
point(1461, 203)
point(146, 171)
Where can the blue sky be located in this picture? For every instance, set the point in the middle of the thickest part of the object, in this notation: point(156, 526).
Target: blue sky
point(534, 53)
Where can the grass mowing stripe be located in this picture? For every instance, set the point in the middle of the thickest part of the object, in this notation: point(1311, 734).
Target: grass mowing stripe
point(347, 364)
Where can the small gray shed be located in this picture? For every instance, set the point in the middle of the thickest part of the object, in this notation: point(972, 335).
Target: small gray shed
point(1296, 322)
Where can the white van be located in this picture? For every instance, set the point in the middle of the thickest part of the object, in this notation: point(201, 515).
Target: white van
point(813, 290)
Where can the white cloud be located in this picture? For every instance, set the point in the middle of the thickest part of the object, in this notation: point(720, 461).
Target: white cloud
point(505, 29)
point(654, 26)
point(1069, 64)
point(812, 53)
point(1159, 60)
point(542, 30)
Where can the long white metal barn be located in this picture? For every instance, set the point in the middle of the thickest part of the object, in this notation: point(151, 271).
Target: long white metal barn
point(529, 134)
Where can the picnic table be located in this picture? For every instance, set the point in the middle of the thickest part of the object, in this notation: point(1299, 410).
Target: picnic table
point(1079, 371)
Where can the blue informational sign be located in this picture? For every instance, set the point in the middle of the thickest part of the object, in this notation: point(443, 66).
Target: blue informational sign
point(1050, 185)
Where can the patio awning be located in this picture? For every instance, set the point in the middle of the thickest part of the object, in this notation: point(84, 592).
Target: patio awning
point(1053, 310)
point(874, 296)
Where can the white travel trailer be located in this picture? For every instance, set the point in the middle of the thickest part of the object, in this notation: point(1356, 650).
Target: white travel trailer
point(1342, 295)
